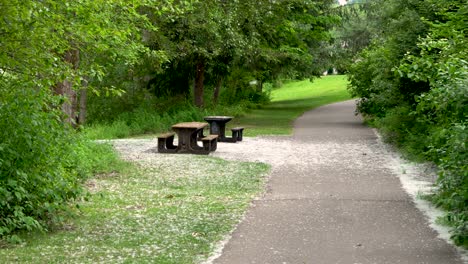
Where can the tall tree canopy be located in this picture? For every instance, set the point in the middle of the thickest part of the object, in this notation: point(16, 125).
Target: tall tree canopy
point(269, 38)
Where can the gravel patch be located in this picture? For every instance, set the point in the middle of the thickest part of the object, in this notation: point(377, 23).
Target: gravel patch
point(279, 151)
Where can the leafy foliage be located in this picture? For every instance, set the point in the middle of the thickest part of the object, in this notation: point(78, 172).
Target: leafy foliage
point(214, 39)
point(38, 167)
point(352, 35)
point(414, 82)
point(42, 160)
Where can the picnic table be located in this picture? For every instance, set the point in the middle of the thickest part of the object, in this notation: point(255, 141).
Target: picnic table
point(187, 133)
point(218, 127)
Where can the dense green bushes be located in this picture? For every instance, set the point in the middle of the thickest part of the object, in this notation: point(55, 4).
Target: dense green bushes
point(418, 95)
point(49, 48)
point(42, 161)
point(115, 117)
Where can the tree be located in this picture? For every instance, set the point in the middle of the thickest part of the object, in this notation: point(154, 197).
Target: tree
point(290, 35)
point(352, 35)
point(52, 45)
point(69, 42)
point(191, 35)
point(268, 38)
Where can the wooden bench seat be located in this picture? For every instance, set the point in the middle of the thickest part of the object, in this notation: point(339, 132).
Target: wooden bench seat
point(166, 135)
point(237, 133)
point(166, 143)
point(210, 142)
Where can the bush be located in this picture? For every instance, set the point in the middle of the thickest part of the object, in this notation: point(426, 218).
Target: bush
point(139, 112)
point(42, 161)
point(449, 147)
point(372, 80)
point(146, 119)
point(414, 82)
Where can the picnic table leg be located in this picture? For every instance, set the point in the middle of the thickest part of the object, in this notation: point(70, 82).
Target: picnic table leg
point(184, 141)
point(166, 143)
point(237, 133)
point(210, 143)
point(188, 142)
point(195, 148)
point(170, 143)
point(162, 145)
point(200, 135)
point(215, 129)
point(219, 128)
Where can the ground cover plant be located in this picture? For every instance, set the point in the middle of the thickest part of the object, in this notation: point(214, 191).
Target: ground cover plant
point(146, 121)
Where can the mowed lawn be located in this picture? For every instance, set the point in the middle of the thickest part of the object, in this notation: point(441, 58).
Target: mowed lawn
point(172, 210)
point(290, 101)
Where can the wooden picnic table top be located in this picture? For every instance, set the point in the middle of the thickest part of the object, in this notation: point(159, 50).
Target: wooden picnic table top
point(218, 118)
point(194, 125)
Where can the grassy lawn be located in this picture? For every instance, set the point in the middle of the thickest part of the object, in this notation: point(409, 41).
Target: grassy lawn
point(157, 214)
point(291, 101)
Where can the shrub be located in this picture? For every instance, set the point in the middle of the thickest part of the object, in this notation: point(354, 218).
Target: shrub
point(42, 161)
point(449, 147)
point(372, 80)
point(414, 82)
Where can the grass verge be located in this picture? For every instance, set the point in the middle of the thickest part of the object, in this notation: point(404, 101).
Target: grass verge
point(291, 101)
point(156, 214)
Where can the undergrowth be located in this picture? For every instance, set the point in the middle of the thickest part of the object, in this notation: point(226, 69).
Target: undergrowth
point(140, 113)
point(42, 161)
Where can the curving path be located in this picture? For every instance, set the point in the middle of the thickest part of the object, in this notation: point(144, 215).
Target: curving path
point(333, 197)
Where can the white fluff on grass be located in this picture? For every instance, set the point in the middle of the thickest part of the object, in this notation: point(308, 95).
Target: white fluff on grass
point(278, 151)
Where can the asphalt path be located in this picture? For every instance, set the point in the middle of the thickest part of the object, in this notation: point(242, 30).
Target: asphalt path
point(341, 203)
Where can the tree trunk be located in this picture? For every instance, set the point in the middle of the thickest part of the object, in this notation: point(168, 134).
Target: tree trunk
point(198, 89)
point(65, 89)
point(217, 90)
point(260, 86)
point(83, 102)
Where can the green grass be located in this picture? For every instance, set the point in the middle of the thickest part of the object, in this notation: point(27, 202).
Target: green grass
point(146, 122)
point(173, 212)
point(291, 101)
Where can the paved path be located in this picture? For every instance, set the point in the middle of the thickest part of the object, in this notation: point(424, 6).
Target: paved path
point(335, 200)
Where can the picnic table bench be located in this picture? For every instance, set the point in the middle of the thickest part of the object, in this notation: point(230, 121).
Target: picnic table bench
point(187, 133)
